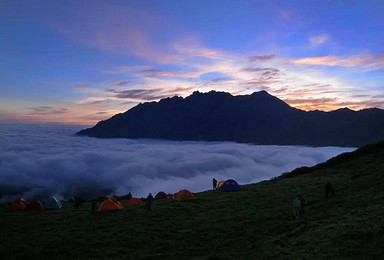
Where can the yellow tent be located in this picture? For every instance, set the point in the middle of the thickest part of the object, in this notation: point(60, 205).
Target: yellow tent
point(220, 184)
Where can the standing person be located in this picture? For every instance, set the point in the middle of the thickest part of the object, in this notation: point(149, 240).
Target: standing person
point(329, 190)
point(214, 183)
point(76, 202)
point(149, 202)
point(299, 206)
point(93, 206)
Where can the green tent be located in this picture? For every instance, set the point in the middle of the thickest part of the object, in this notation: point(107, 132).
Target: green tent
point(53, 203)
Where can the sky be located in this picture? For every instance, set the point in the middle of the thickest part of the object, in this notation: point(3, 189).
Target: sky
point(49, 159)
point(83, 61)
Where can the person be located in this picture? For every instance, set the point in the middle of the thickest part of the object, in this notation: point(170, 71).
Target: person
point(77, 202)
point(93, 206)
point(214, 183)
point(129, 196)
point(149, 202)
point(299, 206)
point(329, 190)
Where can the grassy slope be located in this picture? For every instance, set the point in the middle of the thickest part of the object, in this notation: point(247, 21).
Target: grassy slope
point(254, 223)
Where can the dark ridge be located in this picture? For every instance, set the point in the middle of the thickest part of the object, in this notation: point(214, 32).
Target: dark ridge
point(342, 158)
point(257, 118)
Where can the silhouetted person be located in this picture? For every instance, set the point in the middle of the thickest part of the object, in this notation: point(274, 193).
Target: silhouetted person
point(129, 196)
point(77, 202)
point(214, 184)
point(299, 206)
point(329, 190)
point(149, 202)
point(93, 206)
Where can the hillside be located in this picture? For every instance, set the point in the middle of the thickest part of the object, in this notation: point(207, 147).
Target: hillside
point(255, 223)
point(258, 118)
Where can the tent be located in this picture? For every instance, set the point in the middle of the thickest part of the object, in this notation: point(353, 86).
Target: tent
point(35, 205)
point(134, 201)
point(230, 185)
point(109, 205)
point(161, 195)
point(19, 204)
point(183, 195)
point(220, 184)
point(53, 203)
point(114, 199)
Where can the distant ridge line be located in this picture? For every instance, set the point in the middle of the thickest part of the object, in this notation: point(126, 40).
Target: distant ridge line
point(256, 118)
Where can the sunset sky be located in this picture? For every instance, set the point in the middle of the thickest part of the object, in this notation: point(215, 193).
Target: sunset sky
point(84, 61)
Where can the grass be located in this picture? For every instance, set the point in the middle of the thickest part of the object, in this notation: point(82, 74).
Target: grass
point(255, 223)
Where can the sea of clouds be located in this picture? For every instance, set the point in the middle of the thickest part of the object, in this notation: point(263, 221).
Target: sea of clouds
point(37, 161)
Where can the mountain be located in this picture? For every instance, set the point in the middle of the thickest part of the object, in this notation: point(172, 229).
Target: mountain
point(258, 118)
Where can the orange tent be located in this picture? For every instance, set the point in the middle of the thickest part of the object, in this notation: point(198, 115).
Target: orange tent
point(161, 195)
point(134, 201)
point(19, 204)
point(35, 205)
point(110, 204)
point(183, 195)
point(114, 199)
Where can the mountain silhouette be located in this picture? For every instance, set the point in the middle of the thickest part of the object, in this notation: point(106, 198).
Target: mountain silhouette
point(257, 118)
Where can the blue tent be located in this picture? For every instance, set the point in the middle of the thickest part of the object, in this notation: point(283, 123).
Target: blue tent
point(230, 185)
point(52, 203)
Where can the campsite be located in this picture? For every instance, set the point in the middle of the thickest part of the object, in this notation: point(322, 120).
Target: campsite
point(255, 222)
point(191, 129)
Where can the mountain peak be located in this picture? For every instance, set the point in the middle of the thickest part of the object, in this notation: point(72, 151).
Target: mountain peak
point(259, 118)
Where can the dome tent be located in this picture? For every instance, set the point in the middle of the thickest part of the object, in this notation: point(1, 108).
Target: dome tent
point(114, 199)
point(161, 195)
point(230, 185)
point(183, 195)
point(35, 205)
point(109, 205)
point(19, 204)
point(53, 203)
point(220, 184)
point(134, 201)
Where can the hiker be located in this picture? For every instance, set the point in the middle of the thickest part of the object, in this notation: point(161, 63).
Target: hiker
point(299, 206)
point(149, 202)
point(329, 190)
point(129, 195)
point(214, 183)
point(77, 202)
point(93, 206)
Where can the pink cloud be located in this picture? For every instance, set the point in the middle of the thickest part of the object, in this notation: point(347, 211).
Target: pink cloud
point(161, 74)
point(369, 62)
point(262, 57)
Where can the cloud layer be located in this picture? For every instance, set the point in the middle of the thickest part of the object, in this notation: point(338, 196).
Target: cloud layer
point(37, 161)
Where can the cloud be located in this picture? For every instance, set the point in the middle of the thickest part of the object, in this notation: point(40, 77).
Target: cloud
point(44, 110)
point(92, 101)
point(264, 70)
point(223, 79)
point(123, 69)
point(262, 57)
point(153, 94)
point(119, 84)
point(140, 94)
point(38, 161)
point(159, 73)
point(368, 62)
point(318, 40)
